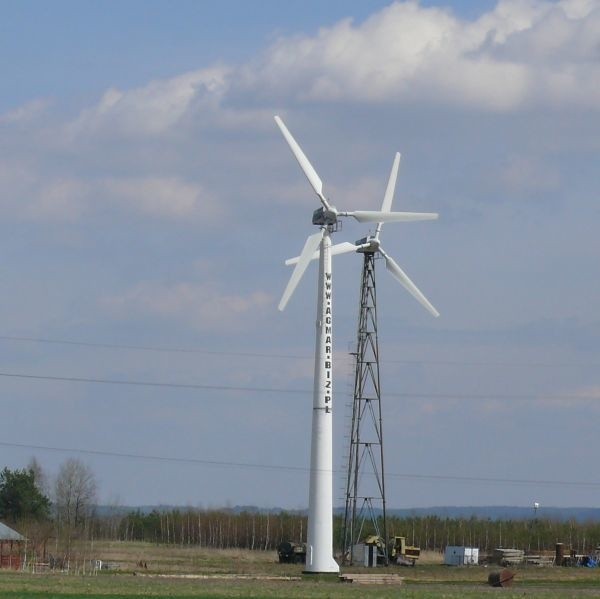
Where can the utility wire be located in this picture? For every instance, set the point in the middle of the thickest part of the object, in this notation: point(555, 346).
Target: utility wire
point(288, 468)
point(156, 458)
point(161, 349)
point(151, 348)
point(197, 386)
point(74, 379)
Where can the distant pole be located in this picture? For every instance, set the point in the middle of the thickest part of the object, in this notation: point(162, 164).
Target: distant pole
point(536, 506)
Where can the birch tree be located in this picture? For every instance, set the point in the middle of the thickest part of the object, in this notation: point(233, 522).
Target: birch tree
point(75, 494)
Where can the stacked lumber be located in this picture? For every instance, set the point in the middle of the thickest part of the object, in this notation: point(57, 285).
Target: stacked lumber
point(508, 557)
point(373, 578)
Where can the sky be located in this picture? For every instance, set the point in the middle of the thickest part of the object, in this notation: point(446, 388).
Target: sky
point(148, 203)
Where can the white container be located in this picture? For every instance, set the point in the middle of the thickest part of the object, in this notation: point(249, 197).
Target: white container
point(461, 556)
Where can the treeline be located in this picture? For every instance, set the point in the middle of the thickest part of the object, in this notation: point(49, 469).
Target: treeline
point(219, 529)
point(531, 535)
point(223, 529)
point(59, 512)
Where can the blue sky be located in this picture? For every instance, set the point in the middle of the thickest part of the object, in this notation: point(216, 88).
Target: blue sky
point(148, 201)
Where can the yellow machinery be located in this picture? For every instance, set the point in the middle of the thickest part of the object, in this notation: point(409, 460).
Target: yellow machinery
point(403, 554)
point(399, 553)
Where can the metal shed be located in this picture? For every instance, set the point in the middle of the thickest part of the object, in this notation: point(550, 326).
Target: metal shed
point(461, 556)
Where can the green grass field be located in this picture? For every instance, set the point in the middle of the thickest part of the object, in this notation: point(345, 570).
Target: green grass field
point(186, 572)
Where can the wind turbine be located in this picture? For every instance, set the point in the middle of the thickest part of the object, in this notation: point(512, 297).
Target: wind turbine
point(319, 557)
point(372, 244)
point(365, 482)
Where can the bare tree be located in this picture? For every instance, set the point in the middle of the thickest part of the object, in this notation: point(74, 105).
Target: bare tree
point(75, 494)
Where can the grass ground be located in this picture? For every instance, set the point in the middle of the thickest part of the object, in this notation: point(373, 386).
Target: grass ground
point(231, 573)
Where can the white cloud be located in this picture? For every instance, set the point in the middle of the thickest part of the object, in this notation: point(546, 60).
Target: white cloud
point(362, 193)
point(577, 9)
point(62, 199)
point(505, 60)
point(163, 196)
point(68, 198)
point(589, 392)
point(523, 174)
point(152, 109)
point(30, 191)
point(524, 53)
point(25, 112)
point(168, 104)
point(566, 400)
point(30, 196)
point(15, 178)
point(201, 306)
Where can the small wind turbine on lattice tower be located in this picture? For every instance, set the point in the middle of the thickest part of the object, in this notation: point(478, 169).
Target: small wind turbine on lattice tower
point(365, 499)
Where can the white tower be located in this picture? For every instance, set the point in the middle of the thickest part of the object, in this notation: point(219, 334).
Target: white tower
point(319, 554)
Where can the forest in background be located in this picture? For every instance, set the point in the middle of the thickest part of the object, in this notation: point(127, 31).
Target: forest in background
point(58, 517)
point(265, 530)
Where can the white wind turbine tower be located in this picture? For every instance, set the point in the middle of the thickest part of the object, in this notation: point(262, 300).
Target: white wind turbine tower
point(319, 557)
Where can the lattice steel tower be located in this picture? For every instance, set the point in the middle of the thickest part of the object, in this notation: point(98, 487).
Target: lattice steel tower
point(365, 485)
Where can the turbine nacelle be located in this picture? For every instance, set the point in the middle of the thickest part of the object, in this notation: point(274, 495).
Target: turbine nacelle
point(323, 216)
point(367, 245)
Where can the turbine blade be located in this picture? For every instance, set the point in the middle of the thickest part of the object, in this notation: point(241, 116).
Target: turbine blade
point(373, 216)
point(304, 163)
point(338, 248)
point(311, 244)
point(403, 279)
point(389, 192)
point(391, 186)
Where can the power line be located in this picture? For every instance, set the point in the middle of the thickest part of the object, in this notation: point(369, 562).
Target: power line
point(75, 379)
point(202, 387)
point(150, 348)
point(492, 363)
point(491, 397)
point(155, 458)
point(502, 481)
point(164, 349)
point(289, 468)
